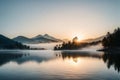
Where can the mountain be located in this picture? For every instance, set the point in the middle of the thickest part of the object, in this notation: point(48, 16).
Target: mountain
point(6, 43)
point(37, 39)
point(37, 36)
point(94, 39)
point(23, 39)
point(45, 38)
point(51, 38)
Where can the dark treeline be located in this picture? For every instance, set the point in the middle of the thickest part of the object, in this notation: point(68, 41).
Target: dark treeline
point(74, 44)
point(112, 39)
point(17, 45)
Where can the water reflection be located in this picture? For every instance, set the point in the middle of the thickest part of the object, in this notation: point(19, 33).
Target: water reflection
point(112, 59)
point(7, 57)
point(75, 54)
point(77, 57)
point(21, 57)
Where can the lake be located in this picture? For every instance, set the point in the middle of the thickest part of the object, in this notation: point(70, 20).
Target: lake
point(59, 65)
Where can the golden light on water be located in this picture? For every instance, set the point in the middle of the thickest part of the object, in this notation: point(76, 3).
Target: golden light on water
point(74, 61)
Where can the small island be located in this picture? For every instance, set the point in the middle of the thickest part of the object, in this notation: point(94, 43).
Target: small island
point(75, 45)
point(110, 42)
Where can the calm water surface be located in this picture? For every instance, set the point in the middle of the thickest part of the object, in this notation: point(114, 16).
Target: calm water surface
point(58, 65)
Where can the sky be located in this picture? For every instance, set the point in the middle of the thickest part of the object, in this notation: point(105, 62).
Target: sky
point(63, 19)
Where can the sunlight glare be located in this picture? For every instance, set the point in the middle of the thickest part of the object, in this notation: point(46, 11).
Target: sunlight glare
point(74, 61)
point(80, 36)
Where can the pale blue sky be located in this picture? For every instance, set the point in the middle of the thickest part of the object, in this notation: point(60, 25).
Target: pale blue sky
point(60, 18)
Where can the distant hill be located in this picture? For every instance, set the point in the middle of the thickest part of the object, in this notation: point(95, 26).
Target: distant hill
point(6, 43)
point(94, 40)
point(51, 38)
point(45, 38)
point(23, 39)
point(37, 39)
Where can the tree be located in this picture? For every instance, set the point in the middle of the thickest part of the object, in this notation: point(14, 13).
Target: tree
point(112, 39)
point(75, 40)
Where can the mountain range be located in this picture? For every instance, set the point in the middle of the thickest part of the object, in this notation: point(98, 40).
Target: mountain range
point(37, 39)
point(6, 43)
point(15, 43)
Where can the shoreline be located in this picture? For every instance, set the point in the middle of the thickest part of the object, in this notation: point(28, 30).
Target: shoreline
point(26, 49)
point(114, 49)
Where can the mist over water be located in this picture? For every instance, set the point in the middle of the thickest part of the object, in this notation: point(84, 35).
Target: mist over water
point(85, 64)
point(48, 46)
point(59, 39)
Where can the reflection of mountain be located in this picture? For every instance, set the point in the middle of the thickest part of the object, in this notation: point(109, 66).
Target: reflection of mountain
point(21, 58)
point(37, 59)
point(7, 57)
point(112, 60)
point(37, 39)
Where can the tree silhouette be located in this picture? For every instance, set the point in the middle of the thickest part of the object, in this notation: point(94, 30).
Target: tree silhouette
point(74, 45)
point(112, 39)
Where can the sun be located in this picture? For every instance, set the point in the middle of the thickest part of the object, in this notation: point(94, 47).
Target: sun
point(80, 37)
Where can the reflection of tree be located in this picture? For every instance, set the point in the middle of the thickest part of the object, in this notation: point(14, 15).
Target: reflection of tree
point(112, 59)
point(75, 54)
